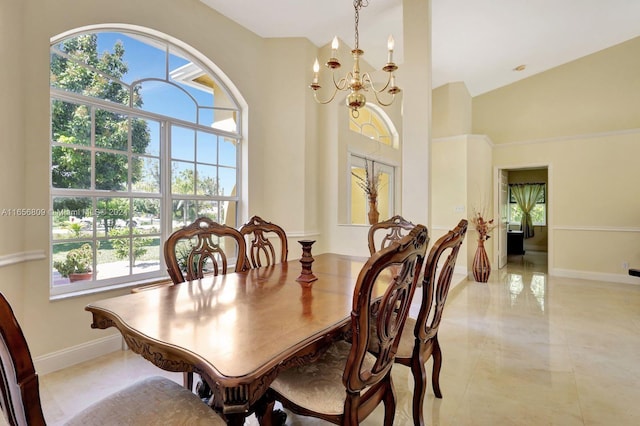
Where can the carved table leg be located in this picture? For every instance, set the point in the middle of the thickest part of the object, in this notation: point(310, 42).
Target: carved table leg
point(266, 414)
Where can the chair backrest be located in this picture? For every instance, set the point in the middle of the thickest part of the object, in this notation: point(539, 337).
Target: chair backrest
point(201, 248)
point(389, 279)
point(20, 389)
point(437, 280)
point(397, 228)
point(260, 251)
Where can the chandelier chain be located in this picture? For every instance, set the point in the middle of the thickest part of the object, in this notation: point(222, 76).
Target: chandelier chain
point(357, 5)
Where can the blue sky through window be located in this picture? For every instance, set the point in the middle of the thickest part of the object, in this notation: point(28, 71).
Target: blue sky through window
point(146, 58)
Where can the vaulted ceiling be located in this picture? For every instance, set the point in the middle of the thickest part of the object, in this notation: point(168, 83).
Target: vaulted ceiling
point(479, 42)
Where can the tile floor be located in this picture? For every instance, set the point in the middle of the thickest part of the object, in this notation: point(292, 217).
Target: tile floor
point(523, 349)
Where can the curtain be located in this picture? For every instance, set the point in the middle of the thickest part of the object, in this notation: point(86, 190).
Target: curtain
point(526, 196)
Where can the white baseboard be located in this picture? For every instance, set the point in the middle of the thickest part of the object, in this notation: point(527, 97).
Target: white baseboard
point(64, 358)
point(595, 276)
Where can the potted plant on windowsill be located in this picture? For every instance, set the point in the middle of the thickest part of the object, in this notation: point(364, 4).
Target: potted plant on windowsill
point(77, 264)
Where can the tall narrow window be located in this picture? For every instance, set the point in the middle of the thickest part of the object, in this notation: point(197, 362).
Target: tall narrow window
point(144, 139)
point(369, 176)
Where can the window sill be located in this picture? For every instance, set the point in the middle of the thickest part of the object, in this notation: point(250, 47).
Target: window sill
point(122, 286)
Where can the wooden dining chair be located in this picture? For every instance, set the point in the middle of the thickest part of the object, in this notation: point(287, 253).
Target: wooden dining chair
point(203, 247)
point(396, 227)
point(347, 382)
point(152, 401)
point(419, 339)
point(261, 251)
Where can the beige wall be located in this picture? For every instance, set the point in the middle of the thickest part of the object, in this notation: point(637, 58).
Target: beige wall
point(451, 110)
point(597, 93)
point(290, 149)
point(449, 191)
point(57, 325)
point(581, 120)
point(12, 114)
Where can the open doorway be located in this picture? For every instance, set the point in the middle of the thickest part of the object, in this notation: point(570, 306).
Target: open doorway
point(518, 241)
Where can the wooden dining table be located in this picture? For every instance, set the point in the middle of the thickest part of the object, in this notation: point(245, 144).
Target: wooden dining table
point(239, 330)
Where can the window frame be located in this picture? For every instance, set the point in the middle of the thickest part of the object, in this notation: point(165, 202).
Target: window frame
point(164, 193)
point(512, 202)
point(362, 161)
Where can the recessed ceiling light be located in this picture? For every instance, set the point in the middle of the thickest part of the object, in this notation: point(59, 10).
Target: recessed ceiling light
point(520, 67)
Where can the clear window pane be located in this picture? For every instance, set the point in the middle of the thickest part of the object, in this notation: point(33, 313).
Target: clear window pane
point(207, 148)
point(209, 209)
point(146, 175)
point(227, 213)
point(70, 168)
point(72, 262)
point(112, 171)
point(70, 123)
point(147, 255)
point(207, 183)
point(358, 196)
point(184, 213)
point(145, 136)
point(183, 143)
point(227, 152)
point(112, 130)
point(182, 178)
point(111, 214)
point(146, 215)
point(155, 95)
point(113, 257)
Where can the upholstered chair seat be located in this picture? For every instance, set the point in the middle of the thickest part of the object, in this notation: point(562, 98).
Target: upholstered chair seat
point(318, 386)
point(152, 401)
point(347, 382)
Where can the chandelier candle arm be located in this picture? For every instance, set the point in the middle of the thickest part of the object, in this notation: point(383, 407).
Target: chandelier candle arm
point(354, 81)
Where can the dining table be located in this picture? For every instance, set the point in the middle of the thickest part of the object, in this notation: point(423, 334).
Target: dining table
point(239, 330)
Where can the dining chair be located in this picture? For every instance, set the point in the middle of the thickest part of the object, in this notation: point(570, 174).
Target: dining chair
point(152, 401)
point(203, 247)
point(347, 382)
point(260, 251)
point(396, 227)
point(419, 338)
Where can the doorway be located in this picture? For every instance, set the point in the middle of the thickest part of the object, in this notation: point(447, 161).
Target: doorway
point(513, 246)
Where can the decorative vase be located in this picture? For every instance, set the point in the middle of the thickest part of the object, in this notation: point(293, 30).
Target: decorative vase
point(481, 265)
point(373, 210)
point(80, 276)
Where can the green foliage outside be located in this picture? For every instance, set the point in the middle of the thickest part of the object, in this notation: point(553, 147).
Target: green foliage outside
point(121, 245)
point(72, 124)
point(537, 214)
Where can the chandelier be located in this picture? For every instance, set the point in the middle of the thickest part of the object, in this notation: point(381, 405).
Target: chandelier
point(355, 81)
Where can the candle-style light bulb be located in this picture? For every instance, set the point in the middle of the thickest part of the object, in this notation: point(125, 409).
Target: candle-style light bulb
point(390, 45)
point(316, 68)
point(334, 47)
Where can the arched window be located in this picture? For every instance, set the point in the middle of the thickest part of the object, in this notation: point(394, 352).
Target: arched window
point(144, 139)
point(374, 124)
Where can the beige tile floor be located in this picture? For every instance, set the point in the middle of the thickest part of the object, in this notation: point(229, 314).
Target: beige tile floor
point(523, 349)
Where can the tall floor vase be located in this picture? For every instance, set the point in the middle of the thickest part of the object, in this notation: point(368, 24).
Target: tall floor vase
point(481, 265)
point(373, 210)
